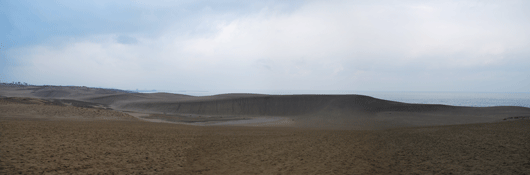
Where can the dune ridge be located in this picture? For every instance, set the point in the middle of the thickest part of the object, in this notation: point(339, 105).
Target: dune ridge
point(312, 134)
point(311, 111)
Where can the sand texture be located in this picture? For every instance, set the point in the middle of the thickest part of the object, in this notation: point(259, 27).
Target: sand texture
point(132, 147)
point(350, 112)
point(77, 130)
point(30, 108)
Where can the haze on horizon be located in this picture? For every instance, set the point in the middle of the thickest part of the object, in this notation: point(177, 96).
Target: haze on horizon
point(231, 46)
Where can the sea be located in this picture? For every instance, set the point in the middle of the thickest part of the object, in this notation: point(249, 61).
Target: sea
point(472, 99)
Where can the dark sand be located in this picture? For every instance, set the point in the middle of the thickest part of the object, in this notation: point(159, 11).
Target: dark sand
point(343, 112)
point(133, 147)
point(73, 130)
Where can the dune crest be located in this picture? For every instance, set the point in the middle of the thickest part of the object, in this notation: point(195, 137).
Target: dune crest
point(307, 111)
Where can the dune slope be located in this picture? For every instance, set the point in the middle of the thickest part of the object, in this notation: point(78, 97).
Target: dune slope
point(334, 111)
point(313, 111)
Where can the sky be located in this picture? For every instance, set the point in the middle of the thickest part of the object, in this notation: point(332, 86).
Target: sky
point(261, 46)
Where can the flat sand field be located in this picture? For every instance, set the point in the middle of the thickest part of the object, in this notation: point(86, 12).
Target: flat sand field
point(64, 136)
point(135, 147)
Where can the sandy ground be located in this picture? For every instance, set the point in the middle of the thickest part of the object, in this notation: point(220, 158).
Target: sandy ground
point(341, 112)
point(31, 108)
point(262, 121)
point(132, 147)
point(37, 137)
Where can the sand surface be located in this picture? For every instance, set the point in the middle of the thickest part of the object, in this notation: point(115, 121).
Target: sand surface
point(135, 147)
point(342, 112)
point(61, 131)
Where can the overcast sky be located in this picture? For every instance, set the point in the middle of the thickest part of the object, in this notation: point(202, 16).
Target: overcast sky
point(247, 46)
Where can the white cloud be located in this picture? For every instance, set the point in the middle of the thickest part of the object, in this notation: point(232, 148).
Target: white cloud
point(321, 45)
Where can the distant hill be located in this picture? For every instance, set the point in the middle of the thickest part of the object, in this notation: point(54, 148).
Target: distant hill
point(315, 111)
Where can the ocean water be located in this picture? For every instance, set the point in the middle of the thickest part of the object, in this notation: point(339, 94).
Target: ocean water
point(474, 99)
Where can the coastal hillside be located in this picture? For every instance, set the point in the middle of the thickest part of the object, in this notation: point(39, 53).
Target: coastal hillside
point(310, 111)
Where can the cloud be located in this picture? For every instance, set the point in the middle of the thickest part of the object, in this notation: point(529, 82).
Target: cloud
point(319, 45)
point(126, 40)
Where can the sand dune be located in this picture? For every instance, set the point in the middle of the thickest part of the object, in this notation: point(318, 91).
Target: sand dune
point(305, 134)
point(16, 108)
point(307, 111)
point(332, 111)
